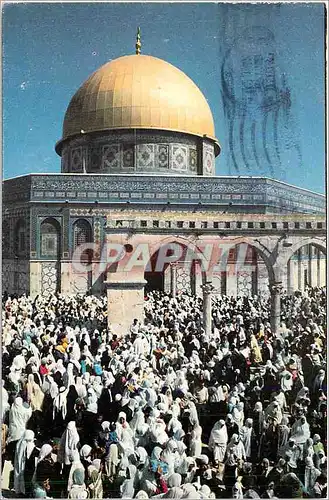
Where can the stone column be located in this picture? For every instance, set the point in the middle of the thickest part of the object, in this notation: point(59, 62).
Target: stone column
point(35, 279)
point(125, 302)
point(276, 290)
point(173, 279)
point(207, 290)
point(318, 268)
point(289, 287)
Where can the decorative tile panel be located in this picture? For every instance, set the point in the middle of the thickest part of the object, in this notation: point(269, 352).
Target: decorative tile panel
point(76, 160)
point(145, 156)
point(163, 155)
point(128, 156)
point(179, 158)
point(208, 159)
point(65, 160)
point(111, 157)
point(49, 277)
point(94, 159)
point(193, 159)
point(183, 279)
point(244, 283)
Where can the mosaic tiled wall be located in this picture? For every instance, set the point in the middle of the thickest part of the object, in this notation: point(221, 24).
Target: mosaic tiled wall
point(208, 159)
point(127, 153)
point(49, 277)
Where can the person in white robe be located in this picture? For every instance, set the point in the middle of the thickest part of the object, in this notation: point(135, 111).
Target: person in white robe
point(76, 464)
point(35, 396)
point(218, 441)
point(68, 443)
point(19, 415)
point(310, 476)
point(246, 433)
point(236, 447)
point(24, 449)
point(125, 435)
point(127, 488)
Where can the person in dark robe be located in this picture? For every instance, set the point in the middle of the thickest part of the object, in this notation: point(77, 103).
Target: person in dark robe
point(105, 405)
point(71, 398)
point(275, 475)
point(269, 440)
point(262, 471)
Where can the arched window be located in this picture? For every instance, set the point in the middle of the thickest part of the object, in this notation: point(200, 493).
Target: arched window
point(5, 239)
point(82, 234)
point(50, 239)
point(20, 237)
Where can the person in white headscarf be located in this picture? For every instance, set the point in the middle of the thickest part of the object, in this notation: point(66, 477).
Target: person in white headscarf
point(246, 435)
point(19, 415)
point(238, 414)
point(78, 490)
point(273, 411)
point(181, 464)
point(292, 454)
point(237, 491)
point(174, 480)
point(308, 449)
point(98, 386)
point(157, 429)
point(24, 463)
point(300, 432)
point(60, 403)
point(96, 483)
point(141, 346)
point(80, 388)
point(68, 443)
point(4, 401)
point(75, 464)
point(284, 431)
point(319, 380)
point(91, 405)
point(127, 488)
point(49, 386)
point(310, 476)
point(45, 466)
point(75, 354)
point(59, 367)
point(170, 455)
point(85, 456)
point(218, 441)
point(236, 447)
point(35, 396)
point(125, 434)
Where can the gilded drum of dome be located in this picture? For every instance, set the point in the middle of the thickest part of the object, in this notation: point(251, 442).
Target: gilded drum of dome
point(141, 92)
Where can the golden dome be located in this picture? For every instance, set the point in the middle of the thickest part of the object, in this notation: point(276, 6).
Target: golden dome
point(139, 92)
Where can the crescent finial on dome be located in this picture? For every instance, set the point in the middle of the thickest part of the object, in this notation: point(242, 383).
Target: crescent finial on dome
point(138, 41)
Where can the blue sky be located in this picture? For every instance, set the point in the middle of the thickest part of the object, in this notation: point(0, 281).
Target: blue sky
point(260, 66)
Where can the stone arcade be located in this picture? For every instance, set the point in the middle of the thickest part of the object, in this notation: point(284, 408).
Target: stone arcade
point(138, 167)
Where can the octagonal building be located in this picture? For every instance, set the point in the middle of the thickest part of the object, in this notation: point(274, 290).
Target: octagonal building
point(138, 153)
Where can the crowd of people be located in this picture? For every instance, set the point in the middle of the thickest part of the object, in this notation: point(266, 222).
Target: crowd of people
point(167, 410)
